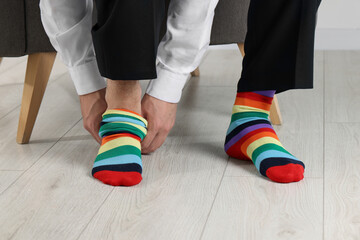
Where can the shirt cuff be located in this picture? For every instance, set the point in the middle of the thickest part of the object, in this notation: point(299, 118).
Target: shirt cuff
point(168, 85)
point(87, 78)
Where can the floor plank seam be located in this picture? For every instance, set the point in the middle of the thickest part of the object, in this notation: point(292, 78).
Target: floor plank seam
point(8, 69)
point(260, 176)
point(13, 109)
point(24, 171)
point(9, 170)
point(324, 139)
point(343, 122)
point(212, 204)
point(97, 210)
point(19, 105)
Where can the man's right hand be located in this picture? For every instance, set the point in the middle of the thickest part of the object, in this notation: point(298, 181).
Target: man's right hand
point(93, 105)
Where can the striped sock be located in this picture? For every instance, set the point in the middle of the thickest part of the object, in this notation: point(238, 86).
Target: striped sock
point(251, 137)
point(118, 162)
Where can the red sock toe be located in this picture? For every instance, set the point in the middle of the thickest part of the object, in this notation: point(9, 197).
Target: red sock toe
point(118, 178)
point(286, 173)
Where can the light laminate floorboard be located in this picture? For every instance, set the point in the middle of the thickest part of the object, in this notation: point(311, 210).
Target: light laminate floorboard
point(342, 181)
point(7, 178)
point(342, 86)
point(9, 62)
point(342, 145)
point(12, 74)
point(58, 112)
point(57, 196)
point(254, 208)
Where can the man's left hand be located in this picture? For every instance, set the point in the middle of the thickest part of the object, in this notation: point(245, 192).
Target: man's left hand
point(161, 118)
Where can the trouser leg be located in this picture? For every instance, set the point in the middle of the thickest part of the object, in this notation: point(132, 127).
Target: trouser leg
point(279, 45)
point(126, 38)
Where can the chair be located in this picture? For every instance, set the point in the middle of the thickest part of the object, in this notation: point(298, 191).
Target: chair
point(23, 34)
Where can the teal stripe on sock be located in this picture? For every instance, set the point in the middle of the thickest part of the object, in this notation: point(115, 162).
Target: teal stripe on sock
point(241, 115)
point(122, 150)
point(106, 116)
point(122, 126)
point(123, 159)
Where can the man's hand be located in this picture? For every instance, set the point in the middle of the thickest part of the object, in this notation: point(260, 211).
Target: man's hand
point(161, 118)
point(93, 105)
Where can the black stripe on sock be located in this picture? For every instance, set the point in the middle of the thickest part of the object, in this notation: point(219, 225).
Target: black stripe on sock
point(239, 128)
point(276, 161)
point(115, 132)
point(129, 167)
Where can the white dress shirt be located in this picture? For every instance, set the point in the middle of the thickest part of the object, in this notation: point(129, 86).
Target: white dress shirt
point(68, 24)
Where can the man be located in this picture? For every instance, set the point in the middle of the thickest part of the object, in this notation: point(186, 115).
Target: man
point(68, 24)
point(279, 56)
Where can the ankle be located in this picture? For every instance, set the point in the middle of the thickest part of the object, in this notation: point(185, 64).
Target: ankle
point(124, 95)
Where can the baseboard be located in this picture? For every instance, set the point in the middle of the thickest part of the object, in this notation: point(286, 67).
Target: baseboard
point(325, 39)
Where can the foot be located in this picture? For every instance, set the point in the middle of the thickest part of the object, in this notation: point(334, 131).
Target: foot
point(122, 130)
point(251, 136)
point(118, 162)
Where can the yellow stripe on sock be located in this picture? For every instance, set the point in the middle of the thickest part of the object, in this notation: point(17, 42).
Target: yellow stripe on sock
point(113, 111)
point(121, 141)
point(257, 143)
point(242, 108)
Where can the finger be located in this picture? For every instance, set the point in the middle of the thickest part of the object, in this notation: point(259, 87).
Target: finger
point(158, 140)
point(93, 129)
point(147, 149)
point(95, 135)
point(148, 139)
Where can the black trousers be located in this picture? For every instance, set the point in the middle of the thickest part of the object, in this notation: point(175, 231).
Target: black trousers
point(126, 38)
point(279, 45)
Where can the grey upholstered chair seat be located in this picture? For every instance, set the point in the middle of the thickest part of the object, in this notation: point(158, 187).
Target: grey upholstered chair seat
point(230, 22)
point(22, 32)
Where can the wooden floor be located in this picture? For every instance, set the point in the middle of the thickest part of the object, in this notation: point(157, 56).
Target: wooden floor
point(190, 188)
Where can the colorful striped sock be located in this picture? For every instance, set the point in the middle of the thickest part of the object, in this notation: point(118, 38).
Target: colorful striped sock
point(118, 162)
point(251, 137)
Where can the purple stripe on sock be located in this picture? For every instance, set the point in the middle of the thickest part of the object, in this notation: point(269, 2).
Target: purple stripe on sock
point(267, 93)
point(245, 131)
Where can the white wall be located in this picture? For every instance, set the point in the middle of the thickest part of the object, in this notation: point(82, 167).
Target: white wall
point(338, 25)
point(339, 14)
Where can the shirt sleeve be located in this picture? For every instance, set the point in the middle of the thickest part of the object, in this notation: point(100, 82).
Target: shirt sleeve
point(181, 50)
point(68, 25)
point(168, 85)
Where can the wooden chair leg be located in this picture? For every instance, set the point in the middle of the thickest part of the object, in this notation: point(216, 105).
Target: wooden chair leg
point(241, 47)
point(196, 72)
point(38, 70)
point(0, 59)
point(275, 115)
